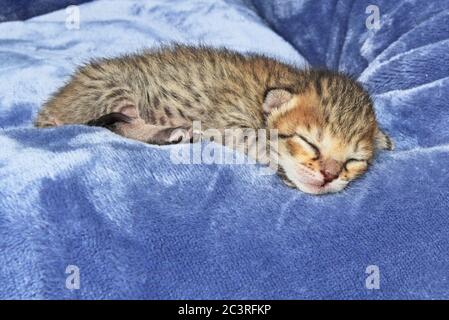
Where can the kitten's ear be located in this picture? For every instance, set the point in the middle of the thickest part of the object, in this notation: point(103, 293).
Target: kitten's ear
point(275, 98)
point(383, 141)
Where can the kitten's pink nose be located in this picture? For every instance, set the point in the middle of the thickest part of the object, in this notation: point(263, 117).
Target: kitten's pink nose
point(328, 177)
point(330, 169)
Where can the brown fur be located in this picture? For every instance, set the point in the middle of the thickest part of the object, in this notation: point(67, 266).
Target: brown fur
point(171, 86)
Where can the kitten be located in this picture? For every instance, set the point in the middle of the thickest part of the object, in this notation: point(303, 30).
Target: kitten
point(326, 122)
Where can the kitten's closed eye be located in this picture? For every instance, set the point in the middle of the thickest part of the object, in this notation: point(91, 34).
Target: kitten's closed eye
point(355, 164)
point(353, 161)
point(312, 146)
point(305, 142)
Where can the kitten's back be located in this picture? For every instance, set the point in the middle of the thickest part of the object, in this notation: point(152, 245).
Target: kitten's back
point(217, 86)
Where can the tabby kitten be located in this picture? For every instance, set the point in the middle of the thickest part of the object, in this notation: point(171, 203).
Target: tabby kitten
point(326, 122)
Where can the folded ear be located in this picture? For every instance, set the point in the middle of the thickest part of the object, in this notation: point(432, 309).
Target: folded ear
point(275, 98)
point(383, 141)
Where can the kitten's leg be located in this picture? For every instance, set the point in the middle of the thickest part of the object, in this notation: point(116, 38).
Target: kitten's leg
point(125, 120)
point(137, 129)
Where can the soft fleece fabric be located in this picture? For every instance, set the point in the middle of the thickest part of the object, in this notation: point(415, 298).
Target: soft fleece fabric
point(139, 226)
point(23, 9)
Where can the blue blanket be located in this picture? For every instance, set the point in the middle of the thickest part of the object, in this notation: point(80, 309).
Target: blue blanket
point(80, 201)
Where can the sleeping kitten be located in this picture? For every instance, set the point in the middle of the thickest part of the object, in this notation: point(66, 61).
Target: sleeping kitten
point(327, 127)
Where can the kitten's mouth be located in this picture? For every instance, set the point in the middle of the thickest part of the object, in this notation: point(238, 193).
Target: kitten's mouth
point(308, 181)
point(317, 184)
point(311, 186)
point(322, 188)
point(316, 188)
point(325, 183)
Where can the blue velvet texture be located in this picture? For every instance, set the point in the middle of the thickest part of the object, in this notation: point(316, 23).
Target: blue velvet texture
point(25, 9)
point(138, 225)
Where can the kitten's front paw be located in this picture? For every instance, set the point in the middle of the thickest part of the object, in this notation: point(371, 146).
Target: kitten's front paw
point(182, 134)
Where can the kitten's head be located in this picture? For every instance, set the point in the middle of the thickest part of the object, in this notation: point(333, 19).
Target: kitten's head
point(327, 131)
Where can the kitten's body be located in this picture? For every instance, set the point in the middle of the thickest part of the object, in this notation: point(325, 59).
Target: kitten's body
point(171, 87)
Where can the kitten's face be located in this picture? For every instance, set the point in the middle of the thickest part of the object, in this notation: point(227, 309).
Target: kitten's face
point(327, 134)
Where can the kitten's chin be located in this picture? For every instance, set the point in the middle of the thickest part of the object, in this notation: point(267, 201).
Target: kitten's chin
point(328, 188)
point(315, 189)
